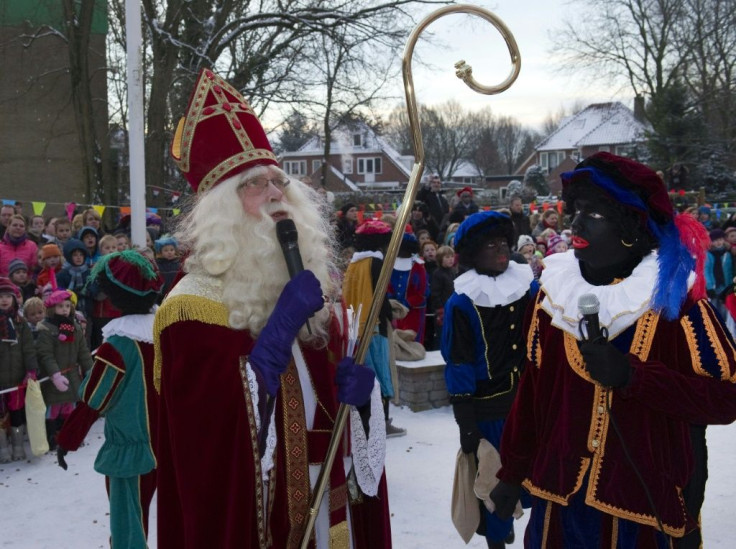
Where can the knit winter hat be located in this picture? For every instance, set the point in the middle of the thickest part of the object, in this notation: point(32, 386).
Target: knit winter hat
point(50, 250)
point(553, 241)
point(7, 287)
point(481, 223)
point(465, 190)
point(524, 240)
point(346, 208)
point(16, 265)
point(86, 230)
point(715, 234)
point(71, 245)
point(165, 240)
point(52, 294)
point(130, 271)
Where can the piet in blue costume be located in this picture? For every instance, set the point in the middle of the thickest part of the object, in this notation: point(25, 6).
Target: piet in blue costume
point(120, 387)
point(602, 431)
point(483, 342)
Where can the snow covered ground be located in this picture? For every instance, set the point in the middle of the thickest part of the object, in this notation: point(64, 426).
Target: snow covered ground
point(44, 507)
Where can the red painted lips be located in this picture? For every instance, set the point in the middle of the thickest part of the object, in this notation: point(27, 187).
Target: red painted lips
point(578, 242)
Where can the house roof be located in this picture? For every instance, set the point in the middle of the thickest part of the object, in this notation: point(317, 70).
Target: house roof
point(598, 124)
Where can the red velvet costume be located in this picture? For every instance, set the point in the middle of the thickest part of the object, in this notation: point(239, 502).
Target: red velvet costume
point(559, 430)
point(210, 492)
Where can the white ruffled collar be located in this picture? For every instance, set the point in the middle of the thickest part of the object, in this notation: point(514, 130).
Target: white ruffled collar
point(357, 256)
point(136, 327)
point(492, 291)
point(622, 304)
point(406, 263)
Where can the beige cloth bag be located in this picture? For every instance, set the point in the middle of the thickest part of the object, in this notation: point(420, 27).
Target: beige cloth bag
point(489, 463)
point(465, 509)
point(404, 346)
point(36, 418)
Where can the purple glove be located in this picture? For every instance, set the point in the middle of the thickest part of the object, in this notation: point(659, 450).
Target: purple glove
point(354, 382)
point(300, 299)
point(60, 382)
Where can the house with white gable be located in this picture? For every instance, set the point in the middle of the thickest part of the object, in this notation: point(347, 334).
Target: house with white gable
point(360, 160)
point(610, 127)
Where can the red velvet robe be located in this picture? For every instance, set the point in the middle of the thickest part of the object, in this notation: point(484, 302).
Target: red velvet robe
point(209, 491)
point(559, 429)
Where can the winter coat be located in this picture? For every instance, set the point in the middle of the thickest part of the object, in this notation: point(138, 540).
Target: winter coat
point(441, 287)
point(55, 356)
point(26, 251)
point(17, 359)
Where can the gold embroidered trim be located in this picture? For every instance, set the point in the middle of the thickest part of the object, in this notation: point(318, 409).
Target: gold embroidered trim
point(179, 308)
point(561, 499)
point(599, 420)
point(692, 342)
point(340, 536)
point(648, 520)
point(614, 532)
point(295, 443)
point(547, 517)
point(646, 326)
point(534, 331)
point(574, 358)
point(715, 341)
point(216, 173)
point(264, 534)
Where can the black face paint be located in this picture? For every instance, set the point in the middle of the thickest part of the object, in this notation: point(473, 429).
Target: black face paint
point(491, 257)
point(596, 238)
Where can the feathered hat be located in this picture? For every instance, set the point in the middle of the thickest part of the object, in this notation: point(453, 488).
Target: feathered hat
point(130, 271)
point(220, 135)
point(683, 241)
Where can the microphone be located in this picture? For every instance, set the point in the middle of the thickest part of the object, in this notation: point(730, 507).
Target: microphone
point(589, 306)
point(289, 239)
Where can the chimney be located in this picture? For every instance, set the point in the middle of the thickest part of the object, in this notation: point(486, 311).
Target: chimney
point(639, 108)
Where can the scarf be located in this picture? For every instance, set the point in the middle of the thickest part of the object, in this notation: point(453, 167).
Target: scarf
point(65, 325)
point(15, 241)
point(76, 281)
point(7, 328)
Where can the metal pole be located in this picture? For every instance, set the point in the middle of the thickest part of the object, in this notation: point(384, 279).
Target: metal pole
point(136, 134)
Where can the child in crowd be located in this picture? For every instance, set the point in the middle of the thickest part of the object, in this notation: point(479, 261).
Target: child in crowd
point(17, 363)
point(525, 246)
point(108, 244)
point(718, 271)
point(63, 231)
point(33, 313)
point(73, 276)
point(18, 275)
point(556, 244)
point(62, 351)
point(441, 286)
point(168, 261)
point(429, 254)
point(35, 229)
point(90, 239)
point(123, 242)
point(50, 260)
point(103, 310)
point(409, 286)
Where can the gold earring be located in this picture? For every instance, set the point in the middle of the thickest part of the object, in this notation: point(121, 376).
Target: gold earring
point(627, 244)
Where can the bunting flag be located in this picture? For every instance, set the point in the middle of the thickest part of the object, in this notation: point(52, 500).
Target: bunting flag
point(69, 208)
point(378, 214)
point(545, 206)
point(360, 216)
point(560, 206)
point(176, 211)
point(99, 209)
point(152, 210)
point(532, 207)
point(38, 207)
point(7, 202)
point(486, 208)
point(125, 210)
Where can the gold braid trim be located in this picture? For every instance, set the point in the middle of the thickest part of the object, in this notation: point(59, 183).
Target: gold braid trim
point(534, 331)
point(340, 536)
point(644, 335)
point(715, 341)
point(574, 358)
point(180, 308)
point(547, 517)
point(692, 343)
point(556, 498)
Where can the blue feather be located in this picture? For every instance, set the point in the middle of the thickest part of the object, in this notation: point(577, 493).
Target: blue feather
point(675, 265)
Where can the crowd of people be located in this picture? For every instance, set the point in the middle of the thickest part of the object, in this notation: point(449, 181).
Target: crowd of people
point(597, 425)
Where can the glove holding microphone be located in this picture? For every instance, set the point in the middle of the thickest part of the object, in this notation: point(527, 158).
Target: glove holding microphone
point(606, 364)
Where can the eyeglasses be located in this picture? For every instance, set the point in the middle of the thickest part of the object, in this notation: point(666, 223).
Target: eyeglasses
point(258, 185)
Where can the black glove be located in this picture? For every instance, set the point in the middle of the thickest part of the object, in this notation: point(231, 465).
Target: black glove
point(60, 453)
point(470, 435)
point(606, 364)
point(504, 496)
point(711, 294)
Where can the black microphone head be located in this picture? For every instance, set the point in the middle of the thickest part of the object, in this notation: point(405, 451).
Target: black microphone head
point(588, 304)
point(286, 231)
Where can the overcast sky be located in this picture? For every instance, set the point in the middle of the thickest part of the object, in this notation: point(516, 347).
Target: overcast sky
point(537, 92)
